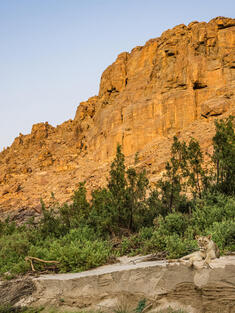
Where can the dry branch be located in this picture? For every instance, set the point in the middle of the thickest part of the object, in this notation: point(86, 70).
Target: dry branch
point(31, 259)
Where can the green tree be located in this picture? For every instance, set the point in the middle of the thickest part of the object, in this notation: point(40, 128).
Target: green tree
point(103, 215)
point(49, 223)
point(128, 190)
point(184, 173)
point(171, 186)
point(224, 155)
point(135, 196)
point(78, 212)
point(196, 175)
point(117, 185)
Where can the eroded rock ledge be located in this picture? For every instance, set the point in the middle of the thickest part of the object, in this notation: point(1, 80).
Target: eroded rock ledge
point(162, 284)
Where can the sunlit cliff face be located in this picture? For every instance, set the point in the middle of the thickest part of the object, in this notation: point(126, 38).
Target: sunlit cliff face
point(176, 84)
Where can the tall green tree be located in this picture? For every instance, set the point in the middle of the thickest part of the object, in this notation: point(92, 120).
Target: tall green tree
point(78, 211)
point(184, 173)
point(128, 191)
point(103, 215)
point(195, 173)
point(135, 196)
point(224, 155)
point(171, 186)
point(117, 185)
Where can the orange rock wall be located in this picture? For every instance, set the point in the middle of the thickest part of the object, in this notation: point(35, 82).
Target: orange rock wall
point(175, 84)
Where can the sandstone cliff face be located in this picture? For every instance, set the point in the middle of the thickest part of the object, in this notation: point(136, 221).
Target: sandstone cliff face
point(175, 84)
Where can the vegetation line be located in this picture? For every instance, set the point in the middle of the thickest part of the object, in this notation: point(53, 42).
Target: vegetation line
point(121, 219)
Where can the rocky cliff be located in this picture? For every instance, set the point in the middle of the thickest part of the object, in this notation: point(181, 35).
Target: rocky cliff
point(175, 84)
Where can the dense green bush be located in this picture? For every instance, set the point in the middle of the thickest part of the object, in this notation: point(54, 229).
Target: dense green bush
point(78, 250)
point(223, 234)
point(13, 249)
point(212, 208)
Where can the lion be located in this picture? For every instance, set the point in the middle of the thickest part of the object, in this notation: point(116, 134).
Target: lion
point(208, 250)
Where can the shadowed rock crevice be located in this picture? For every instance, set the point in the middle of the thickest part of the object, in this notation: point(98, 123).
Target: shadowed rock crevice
point(198, 85)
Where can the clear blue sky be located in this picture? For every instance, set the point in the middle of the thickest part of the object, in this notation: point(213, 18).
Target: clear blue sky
point(53, 52)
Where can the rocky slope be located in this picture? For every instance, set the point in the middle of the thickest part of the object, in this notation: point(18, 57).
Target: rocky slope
point(123, 285)
point(175, 84)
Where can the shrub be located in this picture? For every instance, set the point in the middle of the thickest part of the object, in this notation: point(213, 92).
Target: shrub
point(78, 250)
point(212, 208)
point(223, 233)
point(76, 257)
point(177, 247)
point(175, 223)
point(13, 249)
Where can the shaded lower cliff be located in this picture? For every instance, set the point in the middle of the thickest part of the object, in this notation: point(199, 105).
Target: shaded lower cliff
point(175, 84)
